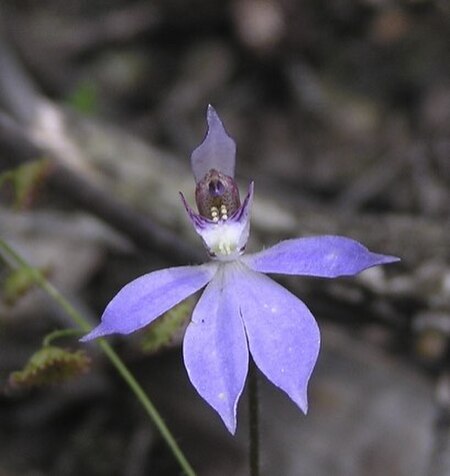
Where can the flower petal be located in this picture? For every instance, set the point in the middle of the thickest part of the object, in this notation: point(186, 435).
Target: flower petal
point(326, 256)
point(217, 151)
point(146, 298)
point(215, 348)
point(225, 240)
point(282, 334)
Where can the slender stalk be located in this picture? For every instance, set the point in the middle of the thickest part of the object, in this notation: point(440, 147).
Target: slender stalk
point(58, 334)
point(8, 254)
point(253, 411)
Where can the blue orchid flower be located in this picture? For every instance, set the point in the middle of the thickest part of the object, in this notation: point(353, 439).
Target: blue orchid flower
point(241, 310)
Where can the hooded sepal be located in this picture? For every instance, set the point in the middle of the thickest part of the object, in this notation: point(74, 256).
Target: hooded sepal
point(217, 151)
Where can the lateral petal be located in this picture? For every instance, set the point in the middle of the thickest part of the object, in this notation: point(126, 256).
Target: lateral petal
point(146, 298)
point(215, 348)
point(283, 336)
point(325, 256)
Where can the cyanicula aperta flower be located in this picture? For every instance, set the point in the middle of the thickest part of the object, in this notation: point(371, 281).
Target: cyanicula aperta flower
point(241, 310)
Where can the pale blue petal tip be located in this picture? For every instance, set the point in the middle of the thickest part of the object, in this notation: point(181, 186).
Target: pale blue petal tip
point(302, 402)
point(231, 426)
point(386, 259)
point(211, 115)
point(95, 333)
point(216, 127)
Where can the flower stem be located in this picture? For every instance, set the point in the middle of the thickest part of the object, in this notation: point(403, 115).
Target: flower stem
point(13, 259)
point(58, 334)
point(253, 411)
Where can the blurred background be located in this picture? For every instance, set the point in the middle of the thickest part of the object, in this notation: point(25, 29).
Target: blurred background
point(341, 114)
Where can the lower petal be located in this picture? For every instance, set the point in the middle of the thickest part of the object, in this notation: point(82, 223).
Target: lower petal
point(146, 298)
point(215, 349)
point(283, 335)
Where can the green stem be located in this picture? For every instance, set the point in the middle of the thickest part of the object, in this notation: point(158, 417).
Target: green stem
point(107, 349)
point(58, 334)
point(253, 411)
